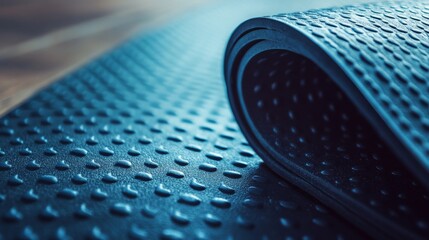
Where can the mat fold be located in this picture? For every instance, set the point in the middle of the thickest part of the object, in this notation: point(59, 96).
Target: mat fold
point(336, 100)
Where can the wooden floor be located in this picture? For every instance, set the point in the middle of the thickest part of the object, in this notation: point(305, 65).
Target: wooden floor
point(43, 40)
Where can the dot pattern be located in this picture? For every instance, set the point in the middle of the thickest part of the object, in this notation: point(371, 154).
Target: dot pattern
point(305, 122)
point(389, 58)
point(141, 144)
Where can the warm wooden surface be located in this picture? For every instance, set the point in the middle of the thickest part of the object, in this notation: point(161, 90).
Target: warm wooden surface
point(43, 40)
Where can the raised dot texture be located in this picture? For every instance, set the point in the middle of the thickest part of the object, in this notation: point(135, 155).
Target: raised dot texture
point(220, 202)
point(208, 167)
point(214, 156)
point(144, 176)
point(79, 152)
point(197, 185)
point(92, 165)
point(162, 191)
point(99, 195)
point(129, 192)
point(79, 179)
point(67, 193)
point(121, 209)
point(48, 179)
point(175, 174)
point(144, 103)
point(48, 213)
point(189, 199)
point(109, 178)
point(212, 220)
point(30, 196)
point(83, 212)
point(123, 164)
point(232, 174)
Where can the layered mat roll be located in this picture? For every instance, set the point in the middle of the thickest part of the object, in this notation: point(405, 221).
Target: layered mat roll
point(337, 102)
point(141, 143)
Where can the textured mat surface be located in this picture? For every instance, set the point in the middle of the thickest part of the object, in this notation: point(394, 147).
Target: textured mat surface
point(141, 144)
point(336, 101)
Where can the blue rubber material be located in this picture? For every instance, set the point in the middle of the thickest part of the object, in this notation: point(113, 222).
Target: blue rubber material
point(141, 144)
point(336, 101)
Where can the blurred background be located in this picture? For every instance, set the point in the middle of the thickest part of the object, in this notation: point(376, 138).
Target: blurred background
point(41, 40)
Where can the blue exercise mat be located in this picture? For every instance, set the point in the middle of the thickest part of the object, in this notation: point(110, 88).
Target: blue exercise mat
point(141, 143)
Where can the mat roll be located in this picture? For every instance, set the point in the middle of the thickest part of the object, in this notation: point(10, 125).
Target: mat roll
point(336, 101)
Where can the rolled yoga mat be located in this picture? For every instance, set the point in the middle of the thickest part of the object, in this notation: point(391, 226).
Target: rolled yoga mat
point(141, 144)
point(337, 102)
